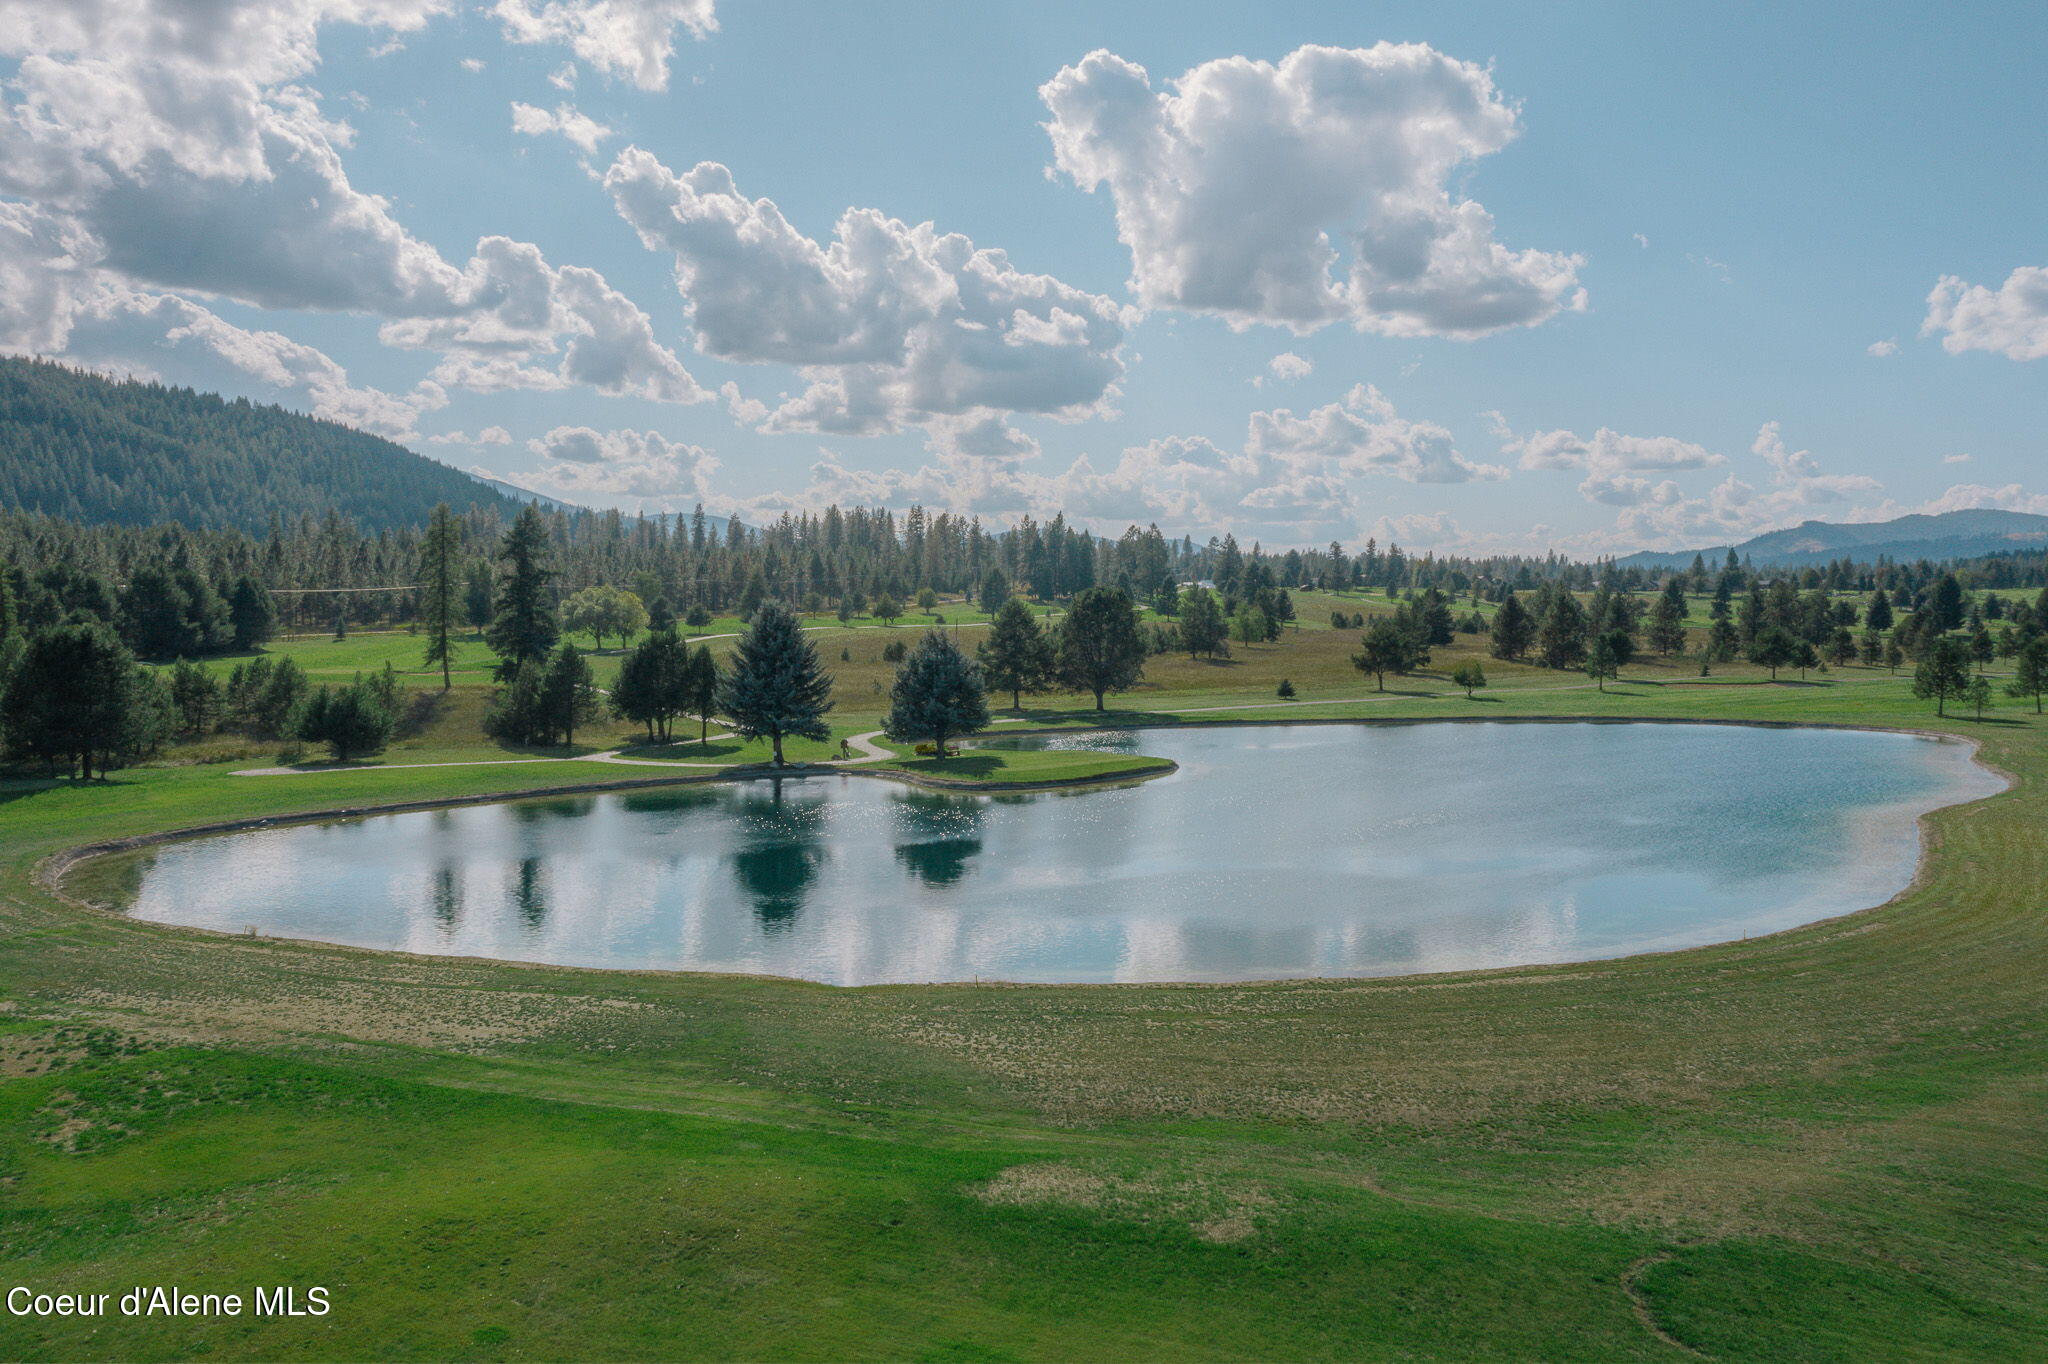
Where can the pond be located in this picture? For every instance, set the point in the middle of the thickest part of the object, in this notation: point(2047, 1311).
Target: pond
point(1274, 852)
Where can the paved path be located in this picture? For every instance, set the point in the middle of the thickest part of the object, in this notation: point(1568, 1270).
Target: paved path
point(869, 750)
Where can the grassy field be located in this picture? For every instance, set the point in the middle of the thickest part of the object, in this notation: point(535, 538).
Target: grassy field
point(1820, 1145)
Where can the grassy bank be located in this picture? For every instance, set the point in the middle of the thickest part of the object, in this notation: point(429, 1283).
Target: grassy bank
point(1820, 1145)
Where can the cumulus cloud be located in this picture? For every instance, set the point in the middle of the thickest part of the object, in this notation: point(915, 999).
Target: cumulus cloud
point(2011, 320)
point(490, 435)
point(1955, 459)
point(565, 120)
point(1235, 186)
point(1883, 350)
point(631, 39)
point(1285, 367)
point(890, 324)
point(1360, 435)
point(644, 466)
point(516, 308)
point(1796, 489)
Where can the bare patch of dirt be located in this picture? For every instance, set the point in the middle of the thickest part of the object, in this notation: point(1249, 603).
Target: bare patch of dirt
point(1216, 1212)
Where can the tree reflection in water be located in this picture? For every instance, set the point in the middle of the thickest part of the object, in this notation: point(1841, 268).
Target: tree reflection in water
point(937, 835)
point(781, 851)
point(530, 893)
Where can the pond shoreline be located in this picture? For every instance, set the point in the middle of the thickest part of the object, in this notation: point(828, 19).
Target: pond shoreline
point(51, 871)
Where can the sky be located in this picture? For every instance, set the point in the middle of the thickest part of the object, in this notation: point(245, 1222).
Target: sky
point(1474, 278)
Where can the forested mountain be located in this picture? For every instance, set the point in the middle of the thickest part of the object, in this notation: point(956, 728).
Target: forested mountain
point(1970, 534)
point(86, 448)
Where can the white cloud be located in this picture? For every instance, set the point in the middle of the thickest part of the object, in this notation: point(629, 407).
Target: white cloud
point(1362, 434)
point(645, 466)
point(2011, 320)
point(1735, 509)
point(1883, 350)
point(1642, 241)
point(891, 325)
point(565, 119)
point(490, 435)
point(472, 64)
point(1285, 367)
point(1955, 459)
point(1229, 184)
point(515, 310)
point(633, 39)
point(1970, 496)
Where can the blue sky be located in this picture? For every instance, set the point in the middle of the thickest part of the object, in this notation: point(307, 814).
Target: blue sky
point(1593, 277)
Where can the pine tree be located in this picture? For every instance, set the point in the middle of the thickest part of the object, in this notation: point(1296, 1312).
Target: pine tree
point(353, 721)
point(1878, 616)
point(1469, 675)
point(1202, 627)
point(1667, 619)
point(1513, 629)
point(775, 688)
point(524, 629)
point(195, 698)
point(1561, 634)
point(938, 694)
point(1774, 647)
point(251, 616)
point(1388, 646)
point(700, 688)
point(1607, 652)
point(995, 590)
point(1099, 649)
point(651, 686)
point(2030, 671)
point(1943, 675)
point(1016, 656)
point(568, 696)
point(77, 698)
point(439, 576)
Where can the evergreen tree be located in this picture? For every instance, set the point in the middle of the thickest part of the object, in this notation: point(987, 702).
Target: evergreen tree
point(887, 608)
point(1943, 674)
point(995, 590)
point(479, 595)
point(1202, 628)
point(775, 688)
point(651, 688)
point(1607, 652)
point(252, 619)
point(77, 700)
point(440, 575)
point(2030, 671)
point(1667, 619)
point(1016, 657)
point(569, 696)
point(1166, 597)
point(1514, 632)
point(1099, 649)
point(1469, 675)
point(1947, 606)
point(353, 721)
point(1977, 694)
point(1250, 625)
point(938, 694)
point(524, 629)
point(195, 698)
point(1774, 647)
point(1388, 646)
point(1561, 634)
point(700, 691)
point(1878, 615)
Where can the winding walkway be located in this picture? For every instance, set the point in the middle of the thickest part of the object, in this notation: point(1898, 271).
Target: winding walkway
point(870, 752)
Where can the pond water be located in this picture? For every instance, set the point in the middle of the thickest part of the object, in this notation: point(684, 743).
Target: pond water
point(1273, 852)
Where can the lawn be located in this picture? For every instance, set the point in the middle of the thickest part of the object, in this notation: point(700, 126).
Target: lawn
point(987, 766)
point(1824, 1144)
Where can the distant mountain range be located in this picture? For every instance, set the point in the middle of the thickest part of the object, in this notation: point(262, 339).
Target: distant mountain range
point(88, 448)
point(1949, 535)
point(513, 490)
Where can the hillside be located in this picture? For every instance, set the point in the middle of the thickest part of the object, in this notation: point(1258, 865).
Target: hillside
point(92, 449)
point(1950, 535)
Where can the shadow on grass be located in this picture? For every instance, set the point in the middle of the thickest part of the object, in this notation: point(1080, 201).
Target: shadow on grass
point(970, 765)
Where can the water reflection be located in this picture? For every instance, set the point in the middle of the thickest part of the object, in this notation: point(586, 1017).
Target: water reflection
point(936, 835)
point(1304, 851)
point(782, 849)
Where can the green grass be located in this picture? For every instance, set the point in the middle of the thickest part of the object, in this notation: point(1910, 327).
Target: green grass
point(1825, 1144)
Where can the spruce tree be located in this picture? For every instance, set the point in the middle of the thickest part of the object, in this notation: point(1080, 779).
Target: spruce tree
point(76, 699)
point(1878, 615)
point(2030, 671)
point(353, 721)
point(524, 629)
point(1388, 646)
point(650, 687)
point(775, 689)
point(1561, 634)
point(938, 694)
point(1514, 631)
point(440, 574)
point(1099, 649)
point(700, 688)
point(1016, 657)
